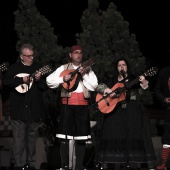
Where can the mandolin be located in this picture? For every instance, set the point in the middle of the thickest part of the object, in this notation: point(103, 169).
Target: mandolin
point(22, 88)
point(106, 104)
point(75, 77)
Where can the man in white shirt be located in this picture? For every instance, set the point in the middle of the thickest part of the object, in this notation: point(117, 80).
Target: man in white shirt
point(74, 123)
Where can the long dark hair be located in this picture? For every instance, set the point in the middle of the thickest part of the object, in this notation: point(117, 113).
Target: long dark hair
point(116, 73)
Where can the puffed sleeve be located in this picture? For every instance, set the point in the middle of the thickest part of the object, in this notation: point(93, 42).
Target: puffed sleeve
point(101, 88)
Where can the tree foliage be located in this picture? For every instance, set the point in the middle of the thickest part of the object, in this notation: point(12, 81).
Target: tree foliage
point(106, 36)
point(33, 28)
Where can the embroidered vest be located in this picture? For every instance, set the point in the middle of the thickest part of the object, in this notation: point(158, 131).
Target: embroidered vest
point(65, 93)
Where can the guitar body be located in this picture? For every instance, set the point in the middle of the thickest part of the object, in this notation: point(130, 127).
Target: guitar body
point(106, 105)
point(103, 104)
point(22, 88)
point(69, 86)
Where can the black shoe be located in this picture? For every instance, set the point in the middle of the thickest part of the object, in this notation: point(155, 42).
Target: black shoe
point(26, 167)
point(65, 168)
point(32, 168)
point(80, 168)
point(97, 166)
point(18, 168)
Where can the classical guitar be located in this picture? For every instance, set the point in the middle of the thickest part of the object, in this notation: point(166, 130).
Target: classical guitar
point(4, 66)
point(75, 77)
point(106, 103)
point(22, 88)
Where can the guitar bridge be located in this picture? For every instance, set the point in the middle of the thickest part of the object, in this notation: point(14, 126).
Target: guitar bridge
point(22, 86)
point(106, 102)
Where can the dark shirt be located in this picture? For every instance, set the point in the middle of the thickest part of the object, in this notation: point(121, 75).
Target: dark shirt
point(29, 104)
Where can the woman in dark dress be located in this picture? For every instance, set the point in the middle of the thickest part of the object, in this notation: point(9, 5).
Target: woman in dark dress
point(125, 138)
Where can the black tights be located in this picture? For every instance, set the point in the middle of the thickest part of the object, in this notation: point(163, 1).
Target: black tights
point(64, 152)
point(79, 151)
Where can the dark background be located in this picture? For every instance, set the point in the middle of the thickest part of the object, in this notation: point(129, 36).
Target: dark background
point(148, 19)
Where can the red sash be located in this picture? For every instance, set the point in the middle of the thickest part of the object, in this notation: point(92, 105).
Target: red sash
point(75, 99)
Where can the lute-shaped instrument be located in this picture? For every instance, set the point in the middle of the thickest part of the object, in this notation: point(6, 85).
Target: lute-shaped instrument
point(75, 77)
point(22, 88)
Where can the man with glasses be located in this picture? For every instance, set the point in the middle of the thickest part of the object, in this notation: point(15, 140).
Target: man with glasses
point(74, 123)
point(26, 107)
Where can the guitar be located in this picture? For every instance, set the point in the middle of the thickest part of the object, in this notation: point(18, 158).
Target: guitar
point(22, 88)
point(106, 103)
point(75, 77)
point(4, 66)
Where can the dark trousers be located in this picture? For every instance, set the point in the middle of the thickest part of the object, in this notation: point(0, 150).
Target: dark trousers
point(166, 134)
point(24, 143)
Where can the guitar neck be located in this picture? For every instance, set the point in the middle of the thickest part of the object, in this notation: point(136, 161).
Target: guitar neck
point(152, 71)
point(42, 70)
point(33, 75)
point(4, 66)
point(86, 64)
point(75, 72)
point(133, 82)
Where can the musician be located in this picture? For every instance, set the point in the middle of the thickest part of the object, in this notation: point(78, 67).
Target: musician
point(162, 94)
point(26, 107)
point(125, 139)
point(74, 120)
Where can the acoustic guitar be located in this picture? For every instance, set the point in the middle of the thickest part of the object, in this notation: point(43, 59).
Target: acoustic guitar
point(23, 88)
point(75, 77)
point(4, 66)
point(106, 103)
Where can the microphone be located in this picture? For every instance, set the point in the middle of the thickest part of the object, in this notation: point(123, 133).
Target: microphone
point(122, 73)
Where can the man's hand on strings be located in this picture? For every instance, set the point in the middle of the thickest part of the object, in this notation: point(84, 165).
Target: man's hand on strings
point(82, 71)
point(37, 76)
point(67, 78)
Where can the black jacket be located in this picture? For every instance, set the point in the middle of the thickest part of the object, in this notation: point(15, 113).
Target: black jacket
point(161, 89)
point(29, 104)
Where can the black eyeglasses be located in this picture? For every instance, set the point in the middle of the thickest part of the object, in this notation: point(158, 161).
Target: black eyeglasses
point(29, 56)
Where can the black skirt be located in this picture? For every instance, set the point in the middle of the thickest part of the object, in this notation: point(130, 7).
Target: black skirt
point(125, 136)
